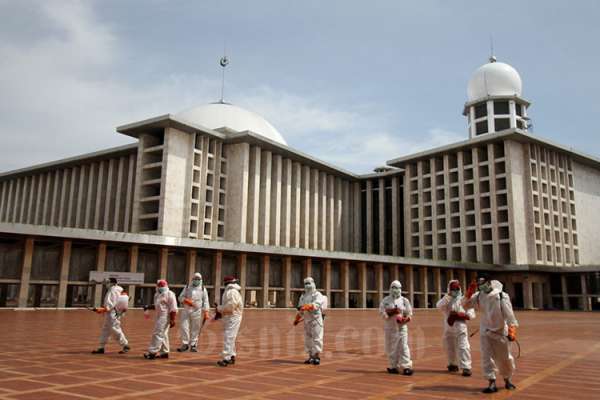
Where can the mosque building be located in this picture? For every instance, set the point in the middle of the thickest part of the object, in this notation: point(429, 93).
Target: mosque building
point(216, 189)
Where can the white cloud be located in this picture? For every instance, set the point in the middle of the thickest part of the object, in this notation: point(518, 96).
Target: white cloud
point(62, 96)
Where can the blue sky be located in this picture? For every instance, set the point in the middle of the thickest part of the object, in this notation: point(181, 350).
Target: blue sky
point(351, 82)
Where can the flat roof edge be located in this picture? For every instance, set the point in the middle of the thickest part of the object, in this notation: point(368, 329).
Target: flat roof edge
point(70, 160)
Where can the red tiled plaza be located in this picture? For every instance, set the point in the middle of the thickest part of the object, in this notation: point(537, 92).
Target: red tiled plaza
point(46, 355)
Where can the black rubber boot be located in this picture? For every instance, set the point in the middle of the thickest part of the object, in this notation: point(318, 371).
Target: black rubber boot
point(99, 350)
point(223, 363)
point(125, 349)
point(316, 361)
point(194, 349)
point(149, 356)
point(452, 368)
point(491, 387)
point(508, 385)
point(163, 355)
point(232, 360)
point(393, 371)
point(184, 347)
point(408, 371)
point(309, 360)
point(467, 372)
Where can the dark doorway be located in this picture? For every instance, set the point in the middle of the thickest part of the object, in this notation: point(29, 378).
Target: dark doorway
point(517, 302)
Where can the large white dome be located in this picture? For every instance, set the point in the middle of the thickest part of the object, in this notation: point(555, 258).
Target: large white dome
point(494, 79)
point(219, 115)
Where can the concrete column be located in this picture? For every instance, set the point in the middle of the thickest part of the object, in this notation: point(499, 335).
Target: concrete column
point(437, 278)
point(79, 210)
point(327, 277)
point(88, 198)
point(472, 276)
point(362, 276)
point(528, 294)
point(118, 192)
point(276, 216)
point(26, 272)
point(345, 265)
point(379, 281)
point(190, 268)
point(241, 267)
point(584, 293)
point(109, 189)
point(163, 262)
point(410, 283)
point(395, 217)
point(395, 273)
point(307, 266)
point(133, 262)
point(264, 220)
point(424, 286)
point(287, 280)
point(100, 267)
point(369, 211)
point(217, 260)
point(65, 259)
point(323, 217)
point(265, 280)
point(382, 218)
point(539, 291)
point(356, 215)
point(565, 294)
point(462, 277)
point(129, 195)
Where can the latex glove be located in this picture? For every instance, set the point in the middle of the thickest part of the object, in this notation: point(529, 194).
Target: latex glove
point(100, 310)
point(172, 319)
point(188, 302)
point(512, 333)
point(471, 290)
point(205, 316)
point(298, 319)
point(402, 320)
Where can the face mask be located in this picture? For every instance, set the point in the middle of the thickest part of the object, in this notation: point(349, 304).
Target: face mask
point(396, 292)
point(485, 287)
point(196, 282)
point(308, 287)
point(162, 289)
point(454, 293)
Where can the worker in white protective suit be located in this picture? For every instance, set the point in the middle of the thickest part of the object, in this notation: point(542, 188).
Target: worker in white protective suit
point(397, 312)
point(498, 327)
point(193, 315)
point(456, 333)
point(165, 304)
point(115, 305)
point(230, 310)
point(311, 306)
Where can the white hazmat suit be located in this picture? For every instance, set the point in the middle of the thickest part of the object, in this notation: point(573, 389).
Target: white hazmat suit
point(496, 314)
point(456, 337)
point(165, 303)
point(115, 304)
point(232, 307)
point(396, 311)
point(195, 306)
point(311, 306)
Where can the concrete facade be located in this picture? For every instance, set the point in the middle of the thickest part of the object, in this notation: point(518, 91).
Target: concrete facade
point(186, 198)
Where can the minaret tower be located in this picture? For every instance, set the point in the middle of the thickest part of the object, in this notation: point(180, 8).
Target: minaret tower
point(494, 100)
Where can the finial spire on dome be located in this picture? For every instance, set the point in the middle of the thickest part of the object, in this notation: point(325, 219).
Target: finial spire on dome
point(492, 56)
point(224, 61)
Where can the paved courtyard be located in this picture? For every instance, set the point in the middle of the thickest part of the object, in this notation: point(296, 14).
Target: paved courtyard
point(46, 355)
